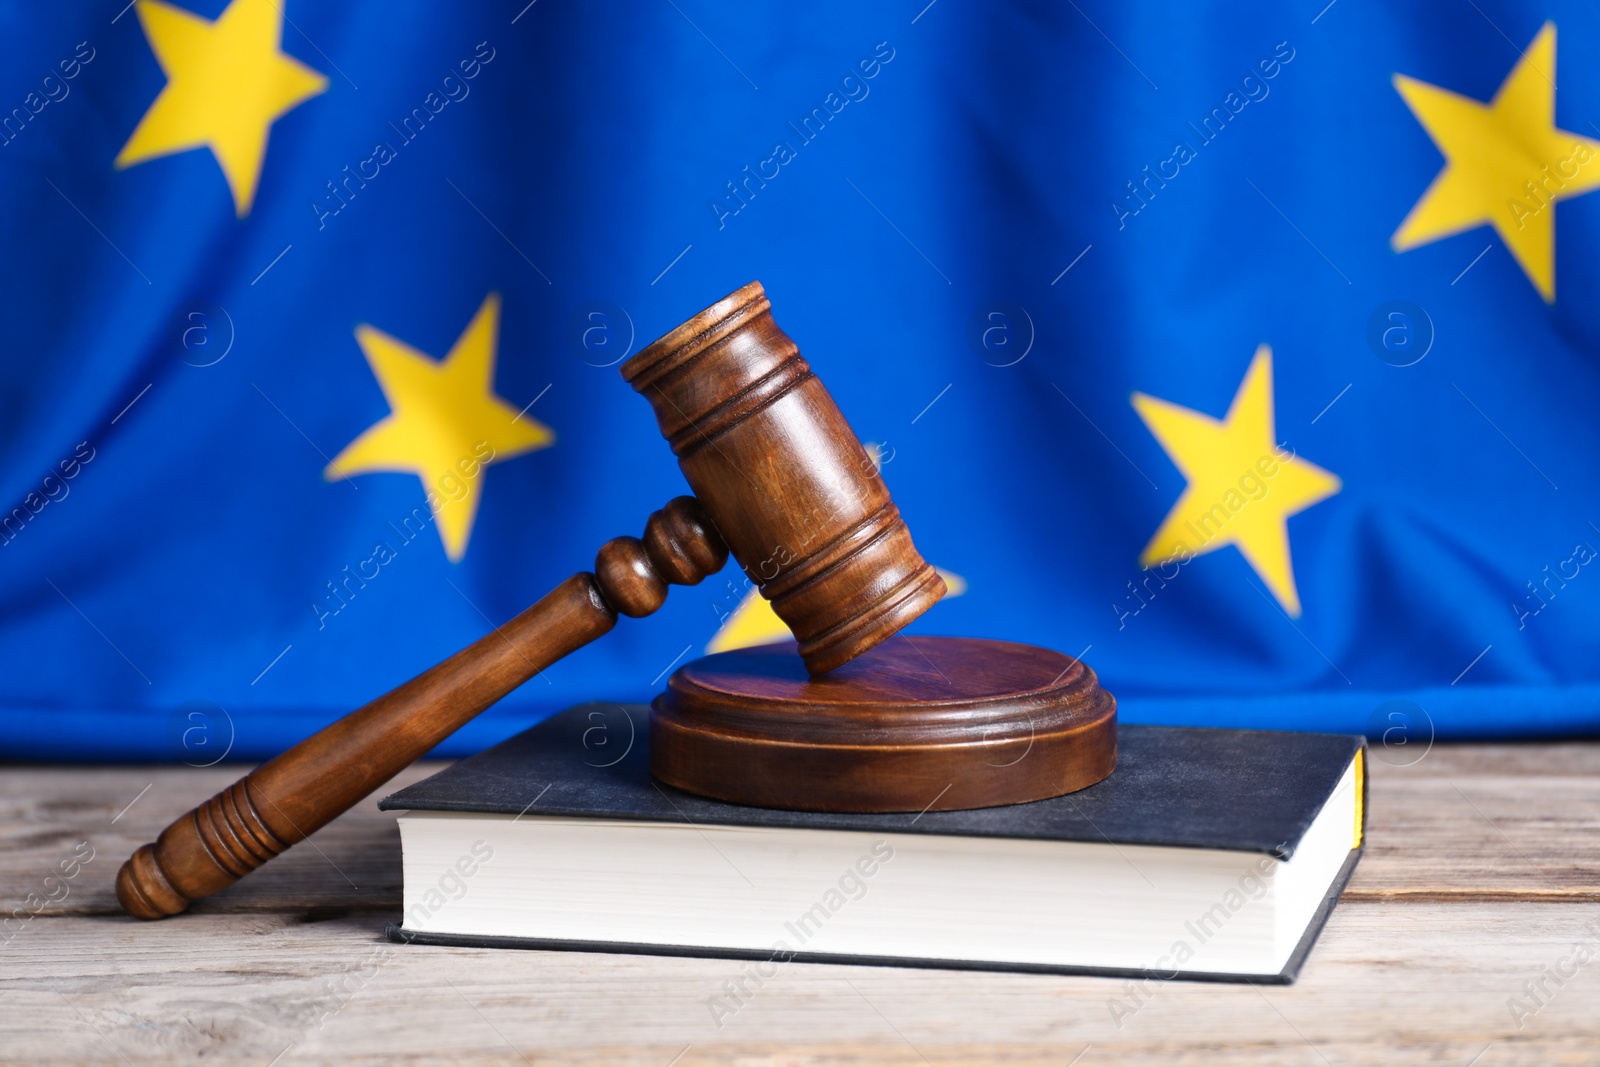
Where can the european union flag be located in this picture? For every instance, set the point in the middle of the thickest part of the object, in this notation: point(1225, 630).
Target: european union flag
point(1252, 359)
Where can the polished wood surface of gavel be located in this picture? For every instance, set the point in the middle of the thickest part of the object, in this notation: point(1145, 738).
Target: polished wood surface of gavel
point(779, 479)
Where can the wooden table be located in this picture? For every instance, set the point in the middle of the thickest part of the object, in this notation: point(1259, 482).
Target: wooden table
point(1482, 870)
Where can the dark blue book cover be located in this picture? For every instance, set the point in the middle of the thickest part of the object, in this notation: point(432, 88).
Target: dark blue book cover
point(1250, 791)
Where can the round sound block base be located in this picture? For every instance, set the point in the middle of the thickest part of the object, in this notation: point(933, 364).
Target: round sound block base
point(916, 724)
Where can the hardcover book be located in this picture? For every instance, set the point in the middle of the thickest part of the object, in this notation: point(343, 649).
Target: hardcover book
point(1208, 854)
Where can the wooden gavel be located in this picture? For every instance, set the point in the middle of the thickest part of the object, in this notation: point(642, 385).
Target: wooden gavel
point(780, 480)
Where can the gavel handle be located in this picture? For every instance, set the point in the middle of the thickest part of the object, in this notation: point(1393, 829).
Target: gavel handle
point(301, 790)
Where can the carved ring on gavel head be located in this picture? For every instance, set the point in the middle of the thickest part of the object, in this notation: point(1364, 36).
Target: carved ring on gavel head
point(873, 724)
point(782, 482)
point(798, 501)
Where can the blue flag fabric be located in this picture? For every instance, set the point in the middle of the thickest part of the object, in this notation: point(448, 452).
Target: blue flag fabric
point(1252, 359)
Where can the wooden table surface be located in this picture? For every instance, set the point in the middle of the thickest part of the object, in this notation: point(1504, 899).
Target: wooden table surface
point(1481, 880)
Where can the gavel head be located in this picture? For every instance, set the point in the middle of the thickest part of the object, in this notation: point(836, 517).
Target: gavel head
point(784, 479)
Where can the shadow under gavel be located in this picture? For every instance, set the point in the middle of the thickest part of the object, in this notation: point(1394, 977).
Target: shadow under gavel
point(780, 481)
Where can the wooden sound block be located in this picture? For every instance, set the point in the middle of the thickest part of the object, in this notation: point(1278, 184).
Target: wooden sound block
point(915, 724)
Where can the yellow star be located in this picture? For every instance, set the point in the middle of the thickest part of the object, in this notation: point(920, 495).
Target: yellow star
point(227, 83)
point(1242, 486)
point(446, 422)
point(1506, 163)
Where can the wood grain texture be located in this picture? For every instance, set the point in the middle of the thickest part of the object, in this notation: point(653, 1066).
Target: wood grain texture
point(1389, 983)
point(1469, 823)
point(46, 812)
point(1489, 822)
point(1445, 921)
point(912, 724)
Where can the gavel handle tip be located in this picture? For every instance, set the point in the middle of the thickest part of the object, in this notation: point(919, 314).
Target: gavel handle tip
point(143, 889)
point(304, 788)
